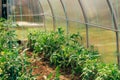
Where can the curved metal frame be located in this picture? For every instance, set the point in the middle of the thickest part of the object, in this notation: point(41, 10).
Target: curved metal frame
point(65, 12)
point(42, 14)
point(86, 21)
point(89, 24)
point(54, 21)
point(116, 28)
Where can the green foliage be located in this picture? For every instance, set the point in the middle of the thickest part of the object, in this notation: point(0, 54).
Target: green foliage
point(89, 70)
point(46, 43)
point(96, 70)
point(61, 50)
point(108, 72)
point(7, 35)
point(68, 53)
point(14, 66)
point(55, 76)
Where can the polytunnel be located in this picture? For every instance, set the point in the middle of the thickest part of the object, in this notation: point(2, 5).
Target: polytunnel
point(98, 21)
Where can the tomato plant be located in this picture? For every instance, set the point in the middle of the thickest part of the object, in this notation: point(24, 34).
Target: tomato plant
point(14, 66)
point(8, 38)
point(61, 50)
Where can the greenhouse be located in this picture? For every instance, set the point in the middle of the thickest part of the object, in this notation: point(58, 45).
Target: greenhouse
point(68, 34)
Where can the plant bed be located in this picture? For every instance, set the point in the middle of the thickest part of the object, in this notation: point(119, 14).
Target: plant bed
point(44, 69)
point(69, 54)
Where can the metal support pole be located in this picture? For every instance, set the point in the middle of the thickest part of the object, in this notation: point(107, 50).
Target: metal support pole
point(43, 14)
point(65, 12)
point(14, 11)
point(21, 10)
point(33, 10)
point(116, 28)
point(54, 21)
point(7, 10)
point(86, 21)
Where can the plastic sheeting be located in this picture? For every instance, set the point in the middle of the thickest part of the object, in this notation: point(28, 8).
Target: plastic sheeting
point(26, 12)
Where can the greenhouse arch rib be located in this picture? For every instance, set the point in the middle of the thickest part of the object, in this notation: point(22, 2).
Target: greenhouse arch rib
point(86, 21)
point(65, 12)
point(42, 14)
point(114, 17)
point(54, 21)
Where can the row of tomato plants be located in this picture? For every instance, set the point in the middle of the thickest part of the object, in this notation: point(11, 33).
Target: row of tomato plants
point(13, 65)
point(68, 53)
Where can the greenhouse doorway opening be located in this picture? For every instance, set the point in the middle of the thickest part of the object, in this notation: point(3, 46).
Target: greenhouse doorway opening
point(4, 9)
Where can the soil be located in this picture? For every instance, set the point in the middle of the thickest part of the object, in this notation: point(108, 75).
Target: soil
point(43, 69)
